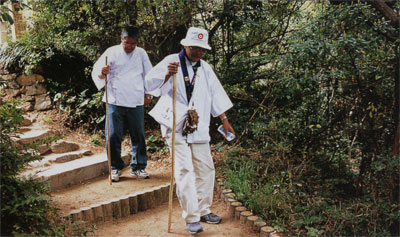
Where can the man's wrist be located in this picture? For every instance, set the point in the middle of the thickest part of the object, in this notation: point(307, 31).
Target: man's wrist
point(148, 97)
point(223, 118)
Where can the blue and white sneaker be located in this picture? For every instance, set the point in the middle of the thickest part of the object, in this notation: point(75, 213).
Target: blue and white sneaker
point(141, 174)
point(194, 227)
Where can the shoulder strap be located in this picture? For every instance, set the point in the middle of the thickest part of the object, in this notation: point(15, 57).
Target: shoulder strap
point(188, 84)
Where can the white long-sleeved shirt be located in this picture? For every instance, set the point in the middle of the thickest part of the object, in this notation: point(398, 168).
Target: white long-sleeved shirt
point(208, 97)
point(126, 78)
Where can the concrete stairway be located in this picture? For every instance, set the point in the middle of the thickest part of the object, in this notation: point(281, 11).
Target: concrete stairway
point(64, 163)
point(66, 166)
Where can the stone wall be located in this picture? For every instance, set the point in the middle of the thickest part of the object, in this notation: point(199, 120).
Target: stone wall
point(29, 89)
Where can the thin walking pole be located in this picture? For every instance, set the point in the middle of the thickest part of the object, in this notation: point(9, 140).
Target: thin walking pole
point(108, 133)
point(171, 187)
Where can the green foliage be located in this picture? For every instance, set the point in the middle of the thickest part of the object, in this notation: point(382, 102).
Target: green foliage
point(323, 123)
point(66, 73)
point(89, 27)
point(10, 118)
point(82, 110)
point(313, 88)
point(307, 206)
point(5, 14)
point(48, 140)
point(95, 139)
point(68, 36)
point(25, 205)
point(156, 144)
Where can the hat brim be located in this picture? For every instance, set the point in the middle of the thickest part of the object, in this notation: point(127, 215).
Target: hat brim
point(186, 42)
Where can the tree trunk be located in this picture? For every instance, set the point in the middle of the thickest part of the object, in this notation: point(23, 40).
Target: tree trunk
point(396, 145)
point(18, 27)
point(388, 12)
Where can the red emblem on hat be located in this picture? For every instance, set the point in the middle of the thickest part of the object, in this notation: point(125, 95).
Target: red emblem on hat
point(200, 36)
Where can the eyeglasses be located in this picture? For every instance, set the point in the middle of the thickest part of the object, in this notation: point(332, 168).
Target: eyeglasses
point(195, 48)
point(129, 42)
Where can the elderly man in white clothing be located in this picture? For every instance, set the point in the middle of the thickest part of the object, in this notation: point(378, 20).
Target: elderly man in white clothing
point(127, 66)
point(199, 95)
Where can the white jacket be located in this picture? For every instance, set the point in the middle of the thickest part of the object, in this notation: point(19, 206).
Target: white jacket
point(208, 98)
point(126, 77)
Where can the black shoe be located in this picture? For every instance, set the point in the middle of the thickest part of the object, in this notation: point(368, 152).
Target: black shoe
point(211, 218)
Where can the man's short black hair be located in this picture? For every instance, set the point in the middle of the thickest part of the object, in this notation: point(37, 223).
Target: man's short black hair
point(130, 31)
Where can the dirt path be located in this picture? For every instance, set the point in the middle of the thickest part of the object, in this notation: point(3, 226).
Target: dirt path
point(154, 222)
point(99, 189)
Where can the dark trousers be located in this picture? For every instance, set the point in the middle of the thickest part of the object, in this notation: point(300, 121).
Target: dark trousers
point(133, 119)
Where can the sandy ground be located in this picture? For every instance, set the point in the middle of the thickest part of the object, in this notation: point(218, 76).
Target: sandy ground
point(154, 222)
point(99, 189)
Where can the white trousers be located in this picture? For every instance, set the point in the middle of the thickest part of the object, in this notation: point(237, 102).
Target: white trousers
point(194, 177)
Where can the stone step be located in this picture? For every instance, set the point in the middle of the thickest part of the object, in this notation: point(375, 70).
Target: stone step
point(24, 129)
point(27, 122)
point(29, 119)
point(154, 220)
point(59, 158)
point(75, 197)
point(123, 206)
point(76, 171)
point(35, 135)
point(59, 147)
point(110, 202)
point(62, 146)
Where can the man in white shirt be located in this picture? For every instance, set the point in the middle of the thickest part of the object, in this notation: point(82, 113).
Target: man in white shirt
point(127, 66)
point(199, 90)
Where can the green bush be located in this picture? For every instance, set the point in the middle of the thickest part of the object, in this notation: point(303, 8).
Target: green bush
point(68, 36)
point(25, 204)
point(67, 74)
point(312, 83)
point(313, 204)
point(324, 129)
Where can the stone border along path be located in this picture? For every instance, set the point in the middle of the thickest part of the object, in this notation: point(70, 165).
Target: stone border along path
point(241, 214)
point(122, 207)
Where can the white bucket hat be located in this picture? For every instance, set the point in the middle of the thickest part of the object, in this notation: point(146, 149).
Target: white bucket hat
point(196, 37)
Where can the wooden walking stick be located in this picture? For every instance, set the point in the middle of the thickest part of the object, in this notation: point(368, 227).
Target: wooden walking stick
point(108, 133)
point(171, 188)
